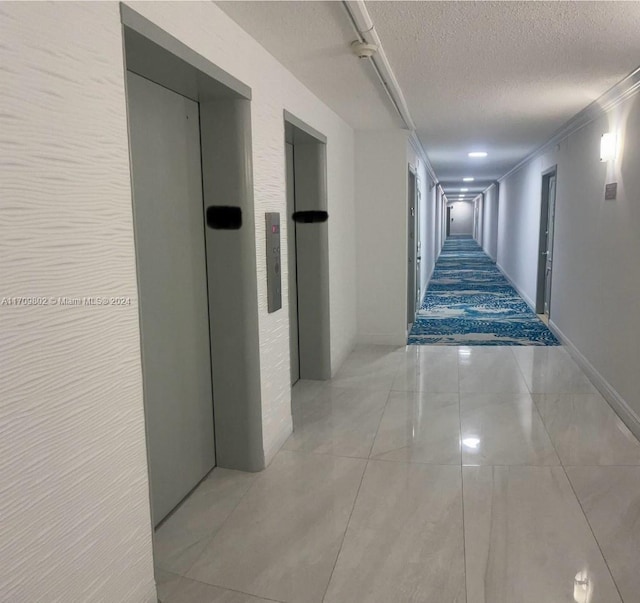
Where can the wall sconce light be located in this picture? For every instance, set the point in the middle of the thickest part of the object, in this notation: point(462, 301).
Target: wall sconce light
point(608, 147)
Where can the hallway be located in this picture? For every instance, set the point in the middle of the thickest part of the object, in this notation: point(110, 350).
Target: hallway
point(424, 474)
point(470, 302)
point(205, 202)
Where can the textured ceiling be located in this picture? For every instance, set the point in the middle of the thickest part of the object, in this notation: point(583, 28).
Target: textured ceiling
point(502, 76)
point(312, 40)
point(495, 76)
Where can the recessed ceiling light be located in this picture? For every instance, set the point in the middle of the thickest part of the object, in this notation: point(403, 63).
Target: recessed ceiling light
point(464, 190)
point(478, 154)
point(468, 179)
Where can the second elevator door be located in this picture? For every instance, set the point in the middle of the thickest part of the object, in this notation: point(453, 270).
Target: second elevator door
point(172, 283)
point(293, 270)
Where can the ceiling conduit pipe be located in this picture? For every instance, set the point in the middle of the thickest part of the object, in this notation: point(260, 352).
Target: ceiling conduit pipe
point(366, 32)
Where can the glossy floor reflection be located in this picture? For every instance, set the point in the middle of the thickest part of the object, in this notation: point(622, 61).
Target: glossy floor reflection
point(424, 475)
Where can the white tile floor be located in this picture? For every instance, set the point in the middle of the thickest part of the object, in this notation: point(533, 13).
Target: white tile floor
point(424, 474)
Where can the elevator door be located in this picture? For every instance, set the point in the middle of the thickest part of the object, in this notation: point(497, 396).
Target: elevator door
point(172, 284)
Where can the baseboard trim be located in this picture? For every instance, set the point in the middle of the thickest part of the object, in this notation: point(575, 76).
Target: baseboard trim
point(521, 293)
point(335, 367)
point(620, 406)
point(494, 260)
point(424, 293)
point(275, 447)
point(399, 339)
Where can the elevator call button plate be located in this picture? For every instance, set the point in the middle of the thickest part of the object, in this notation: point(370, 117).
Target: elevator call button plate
point(274, 277)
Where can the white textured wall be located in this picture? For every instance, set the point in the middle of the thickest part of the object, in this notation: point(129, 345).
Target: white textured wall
point(74, 506)
point(73, 464)
point(490, 222)
point(596, 275)
point(381, 203)
point(461, 218)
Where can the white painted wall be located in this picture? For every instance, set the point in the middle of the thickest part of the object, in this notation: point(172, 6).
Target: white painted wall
point(71, 417)
point(383, 158)
point(381, 205)
point(490, 222)
point(596, 276)
point(461, 218)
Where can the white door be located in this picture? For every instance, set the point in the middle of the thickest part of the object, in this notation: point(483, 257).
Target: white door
point(172, 284)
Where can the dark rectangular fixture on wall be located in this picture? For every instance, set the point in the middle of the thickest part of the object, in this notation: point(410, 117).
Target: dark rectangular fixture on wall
point(224, 217)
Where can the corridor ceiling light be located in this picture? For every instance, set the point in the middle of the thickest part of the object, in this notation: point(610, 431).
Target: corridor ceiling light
point(608, 147)
point(477, 154)
point(464, 190)
point(468, 179)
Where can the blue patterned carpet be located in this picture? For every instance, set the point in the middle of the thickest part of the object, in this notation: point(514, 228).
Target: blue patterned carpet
point(470, 302)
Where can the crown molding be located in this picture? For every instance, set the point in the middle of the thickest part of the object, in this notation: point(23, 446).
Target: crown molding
point(599, 107)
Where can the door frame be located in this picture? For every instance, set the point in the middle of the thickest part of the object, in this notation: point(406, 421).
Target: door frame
point(543, 243)
point(412, 249)
point(225, 145)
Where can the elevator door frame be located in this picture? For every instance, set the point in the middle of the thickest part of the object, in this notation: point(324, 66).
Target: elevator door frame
point(227, 179)
point(308, 252)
